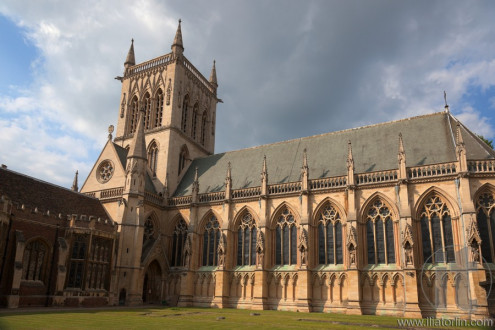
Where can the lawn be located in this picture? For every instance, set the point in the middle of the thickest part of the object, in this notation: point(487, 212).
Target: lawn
point(186, 318)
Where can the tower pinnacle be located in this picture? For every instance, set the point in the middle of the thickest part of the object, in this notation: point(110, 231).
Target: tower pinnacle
point(130, 59)
point(213, 75)
point(138, 144)
point(177, 46)
point(74, 184)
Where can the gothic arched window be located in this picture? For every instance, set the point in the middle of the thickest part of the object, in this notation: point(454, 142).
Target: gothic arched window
point(246, 241)
point(286, 239)
point(34, 261)
point(195, 121)
point(178, 241)
point(153, 157)
point(380, 234)
point(183, 157)
point(149, 230)
point(133, 114)
point(330, 237)
point(436, 231)
point(486, 225)
point(159, 108)
point(185, 106)
point(203, 128)
point(211, 236)
point(147, 110)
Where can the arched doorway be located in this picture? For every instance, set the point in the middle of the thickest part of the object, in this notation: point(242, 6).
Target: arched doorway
point(152, 284)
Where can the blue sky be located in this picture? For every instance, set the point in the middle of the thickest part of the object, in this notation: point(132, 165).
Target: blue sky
point(315, 67)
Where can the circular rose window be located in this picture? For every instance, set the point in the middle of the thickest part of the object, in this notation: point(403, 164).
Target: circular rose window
point(105, 171)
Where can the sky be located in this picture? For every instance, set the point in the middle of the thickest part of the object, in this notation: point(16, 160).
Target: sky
point(286, 69)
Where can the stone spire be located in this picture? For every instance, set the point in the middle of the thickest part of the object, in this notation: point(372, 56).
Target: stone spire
point(213, 75)
point(74, 184)
point(177, 46)
point(350, 165)
point(402, 159)
point(138, 144)
point(264, 178)
point(130, 60)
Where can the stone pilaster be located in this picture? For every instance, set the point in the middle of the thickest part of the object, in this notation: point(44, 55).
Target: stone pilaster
point(20, 245)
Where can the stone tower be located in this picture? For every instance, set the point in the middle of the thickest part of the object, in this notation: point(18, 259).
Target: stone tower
point(179, 108)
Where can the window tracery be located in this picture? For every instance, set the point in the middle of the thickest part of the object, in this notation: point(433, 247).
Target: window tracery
point(34, 261)
point(147, 111)
point(203, 128)
point(195, 121)
point(183, 157)
point(149, 230)
point(286, 239)
point(330, 237)
point(153, 157)
point(134, 113)
point(105, 171)
point(485, 205)
point(185, 106)
point(436, 231)
point(178, 242)
point(380, 234)
point(211, 236)
point(246, 241)
point(159, 108)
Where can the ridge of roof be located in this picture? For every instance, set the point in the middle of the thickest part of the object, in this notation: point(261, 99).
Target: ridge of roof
point(331, 133)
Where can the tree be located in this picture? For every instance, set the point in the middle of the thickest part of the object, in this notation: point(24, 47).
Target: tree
point(488, 142)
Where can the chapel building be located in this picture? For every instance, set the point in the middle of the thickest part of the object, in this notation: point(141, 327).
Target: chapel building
point(395, 218)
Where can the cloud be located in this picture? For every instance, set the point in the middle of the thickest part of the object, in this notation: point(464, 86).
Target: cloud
point(310, 68)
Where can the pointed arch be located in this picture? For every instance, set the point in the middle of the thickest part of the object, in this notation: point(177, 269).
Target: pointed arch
point(194, 127)
point(329, 233)
point(322, 204)
point(153, 156)
point(485, 218)
point(278, 210)
point(183, 158)
point(147, 110)
point(185, 113)
point(386, 200)
point(204, 120)
point(238, 217)
point(158, 113)
point(152, 281)
point(449, 200)
point(378, 217)
point(435, 211)
point(246, 228)
point(209, 230)
point(285, 225)
point(179, 236)
point(133, 114)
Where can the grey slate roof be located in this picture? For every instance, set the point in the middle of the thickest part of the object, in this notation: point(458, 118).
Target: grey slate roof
point(428, 139)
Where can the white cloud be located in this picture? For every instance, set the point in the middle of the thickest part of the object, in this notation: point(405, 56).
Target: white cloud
point(308, 69)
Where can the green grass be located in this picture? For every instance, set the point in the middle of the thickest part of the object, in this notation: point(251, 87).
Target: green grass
point(186, 318)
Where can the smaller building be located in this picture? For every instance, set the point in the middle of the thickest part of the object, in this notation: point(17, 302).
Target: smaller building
point(56, 245)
